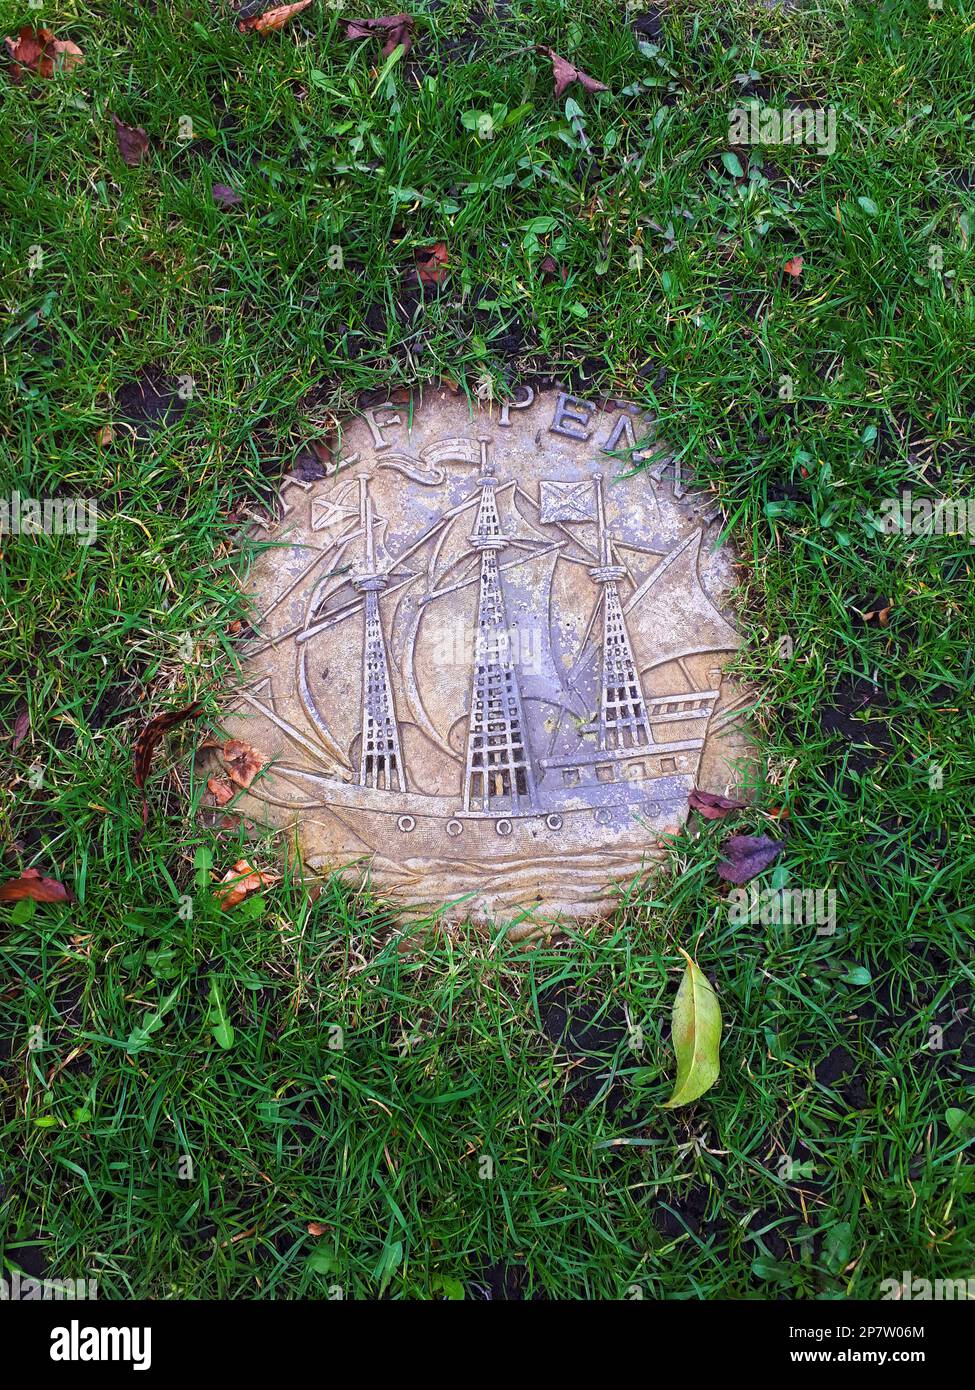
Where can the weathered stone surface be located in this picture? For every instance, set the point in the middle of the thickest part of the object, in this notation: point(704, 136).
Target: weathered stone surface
point(487, 667)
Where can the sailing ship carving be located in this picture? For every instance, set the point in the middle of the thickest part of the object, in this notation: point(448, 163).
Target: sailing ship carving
point(552, 713)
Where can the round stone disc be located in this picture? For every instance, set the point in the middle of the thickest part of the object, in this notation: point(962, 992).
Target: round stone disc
point(487, 661)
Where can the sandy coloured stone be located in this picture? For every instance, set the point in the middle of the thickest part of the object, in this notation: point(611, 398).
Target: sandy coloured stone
point(487, 666)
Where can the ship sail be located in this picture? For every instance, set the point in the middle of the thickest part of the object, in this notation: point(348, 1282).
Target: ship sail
point(670, 615)
point(426, 634)
point(345, 610)
point(436, 638)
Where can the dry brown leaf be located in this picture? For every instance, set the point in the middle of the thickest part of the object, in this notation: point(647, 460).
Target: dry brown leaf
point(793, 267)
point(271, 20)
point(220, 789)
point(431, 263)
point(549, 266)
point(21, 728)
point(711, 806)
point(40, 52)
point(316, 1228)
point(242, 762)
point(32, 885)
point(313, 462)
point(132, 140)
point(565, 73)
point(879, 615)
point(225, 197)
point(747, 855)
point(105, 436)
point(148, 740)
point(242, 880)
point(396, 29)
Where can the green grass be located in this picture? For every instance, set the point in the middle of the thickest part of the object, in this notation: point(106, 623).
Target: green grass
point(450, 1052)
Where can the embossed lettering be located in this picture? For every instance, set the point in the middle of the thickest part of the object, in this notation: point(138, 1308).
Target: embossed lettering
point(573, 418)
point(374, 423)
point(516, 405)
point(623, 429)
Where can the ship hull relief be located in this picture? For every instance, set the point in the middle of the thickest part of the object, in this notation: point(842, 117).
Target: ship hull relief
point(488, 661)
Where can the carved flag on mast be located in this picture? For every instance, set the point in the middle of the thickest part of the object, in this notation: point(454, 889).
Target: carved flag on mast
point(567, 501)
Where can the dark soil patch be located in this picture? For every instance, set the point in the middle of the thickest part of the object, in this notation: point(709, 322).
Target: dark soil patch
point(648, 25)
point(653, 374)
point(838, 1071)
point(428, 56)
point(151, 403)
point(501, 1283)
point(677, 1212)
point(950, 1037)
point(589, 1034)
point(781, 1239)
point(122, 696)
point(938, 463)
point(67, 1006)
point(31, 1259)
point(801, 1155)
point(864, 608)
point(777, 490)
point(945, 1034)
point(868, 739)
point(583, 375)
point(507, 339)
point(237, 1208)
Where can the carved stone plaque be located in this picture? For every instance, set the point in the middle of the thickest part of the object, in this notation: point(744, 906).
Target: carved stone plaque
point(487, 660)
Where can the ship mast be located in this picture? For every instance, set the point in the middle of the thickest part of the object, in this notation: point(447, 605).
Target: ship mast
point(499, 774)
point(380, 757)
point(623, 722)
